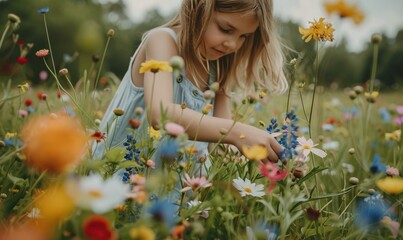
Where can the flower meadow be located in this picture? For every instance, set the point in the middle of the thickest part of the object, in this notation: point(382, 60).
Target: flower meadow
point(338, 178)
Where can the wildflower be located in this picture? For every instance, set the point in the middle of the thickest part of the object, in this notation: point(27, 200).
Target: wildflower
point(98, 136)
point(177, 63)
point(98, 227)
point(377, 166)
point(256, 153)
point(154, 134)
point(393, 226)
point(353, 180)
point(54, 142)
point(22, 113)
point(42, 53)
point(351, 151)
point(195, 183)
point(191, 149)
point(174, 129)
point(207, 108)
point(393, 136)
point(13, 18)
point(390, 185)
point(110, 33)
point(208, 94)
point(28, 102)
point(196, 204)
point(134, 123)
point(24, 87)
point(352, 94)
point(246, 187)
point(376, 38)
point(118, 112)
point(345, 10)
point(370, 211)
point(371, 97)
point(150, 163)
point(178, 232)
point(100, 195)
point(138, 111)
point(22, 60)
point(215, 86)
point(142, 232)
point(312, 214)
point(163, 211)
point(54, 203)
point(63, 72)
point(307, 146)
point(10, 135)
point(392, 171)
point(43, 10)
point(320, 31)
point(43, 75)
point(273, 173)
point(155, 66)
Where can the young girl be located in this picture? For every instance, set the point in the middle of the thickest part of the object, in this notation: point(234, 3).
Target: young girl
point(232, 42)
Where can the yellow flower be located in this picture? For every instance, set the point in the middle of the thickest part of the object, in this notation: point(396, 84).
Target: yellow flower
point(345, 10)
point(207, 108)
point(154, 134)
point(155, 66)
point(54, 142)
point(262, 94)
point(255, 152)
point(320, 31)
point(142, 232)
point(191, 150)
point(373, 94)
point(391, 185)
point(10, 135)
point(395, 135)
point(54, 204)
point(24, 87)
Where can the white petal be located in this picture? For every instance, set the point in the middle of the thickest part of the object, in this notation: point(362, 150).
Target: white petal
point(319, 152)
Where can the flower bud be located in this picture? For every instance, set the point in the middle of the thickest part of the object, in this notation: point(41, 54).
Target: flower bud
point(138, 111)
point(207, 108)
point(358, 89)
point(177, 63)
point(300, 85)
point(118, 112)
point(64, 71)
point(2, 144)
point(13, 18)
point(352, 95)
point(262, 94)
point(110, 33)
point(209, 94)
point(351, 151)
point(371, 191)
point(135, 123)
point(95, 58)
point(215, 86)
point(371, 98)
point(3, 196)
point(223, 131)
point(354, 180)
point(376, 38)
point(183, 106)
point(298, 173)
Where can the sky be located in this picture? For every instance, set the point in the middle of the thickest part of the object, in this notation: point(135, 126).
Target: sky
point(381, 16)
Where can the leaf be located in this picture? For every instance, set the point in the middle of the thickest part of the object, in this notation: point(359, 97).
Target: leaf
point(17, 181)
point(314, 171)
point(115, 155)
point(128, 164)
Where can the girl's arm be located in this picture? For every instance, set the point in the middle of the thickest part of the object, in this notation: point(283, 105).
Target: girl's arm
point(160, 46)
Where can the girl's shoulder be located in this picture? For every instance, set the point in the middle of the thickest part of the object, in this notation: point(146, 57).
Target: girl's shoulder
point(160, 38)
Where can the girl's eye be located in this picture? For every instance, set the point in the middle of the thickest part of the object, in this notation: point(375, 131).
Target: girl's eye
point(227, 31)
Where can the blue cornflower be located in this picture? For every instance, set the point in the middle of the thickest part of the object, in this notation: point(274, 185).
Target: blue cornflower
point(377, 166)
point(164, 211)
point(169, 149)
point(385, 115)
point(273, 126)
point(370, 211)
point(131, 154)
point(43, 10)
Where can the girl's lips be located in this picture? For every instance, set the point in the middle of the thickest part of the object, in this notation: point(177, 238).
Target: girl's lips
point(219, 52)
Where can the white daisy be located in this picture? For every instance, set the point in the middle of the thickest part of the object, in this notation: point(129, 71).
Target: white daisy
point(246, 187)
point(100, 195)
point(307, 146)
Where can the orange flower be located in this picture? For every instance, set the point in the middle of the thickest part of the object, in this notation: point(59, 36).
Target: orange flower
point(54, 142)
point(318, 30)
point(345, 10)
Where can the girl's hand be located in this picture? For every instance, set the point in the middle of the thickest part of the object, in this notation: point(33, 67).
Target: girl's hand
point(253, 137)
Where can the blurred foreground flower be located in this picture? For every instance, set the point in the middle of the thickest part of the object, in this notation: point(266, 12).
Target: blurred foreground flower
point(255, 152)
point(345, 10)
point(100, 196)
point(320, 31)
point(98, 227)
point(54, 142)
point(390, 185)
point(273, 173)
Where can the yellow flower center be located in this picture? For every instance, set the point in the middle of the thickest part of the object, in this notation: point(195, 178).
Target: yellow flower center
point(307, 147)
point(248, 190)
point(95, 194)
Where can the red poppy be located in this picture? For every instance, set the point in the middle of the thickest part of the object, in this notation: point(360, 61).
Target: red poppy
point(58, 94)
point(42, 96)
point(22, 60)
point(98, 136)
point(20, 43)
point(331, 120)
point(28, 102)
point(98, 227)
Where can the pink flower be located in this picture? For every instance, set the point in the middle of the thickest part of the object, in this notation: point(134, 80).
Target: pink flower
point(195, 183)
point(42, 53)
point(307, 146)
point(43, 75)
point(272, 172)
point(399, 110)
point(174, 129)
point(398, 120)
point(393, 226)
point(391, 171)
point(150, 164)
point(22, 113)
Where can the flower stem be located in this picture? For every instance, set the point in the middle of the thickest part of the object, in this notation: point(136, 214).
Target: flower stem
point(4, 34)
point(314, 88)
point(102, 61)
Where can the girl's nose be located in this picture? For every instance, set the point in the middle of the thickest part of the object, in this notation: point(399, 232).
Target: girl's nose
point(230, 45)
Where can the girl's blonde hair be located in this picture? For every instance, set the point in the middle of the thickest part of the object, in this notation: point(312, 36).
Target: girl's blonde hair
point(257, 64)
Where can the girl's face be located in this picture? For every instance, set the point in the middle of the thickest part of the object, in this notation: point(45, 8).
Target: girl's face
point(226, 32)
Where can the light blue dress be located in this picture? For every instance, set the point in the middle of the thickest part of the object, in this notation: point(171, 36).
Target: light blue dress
point(128, 97)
